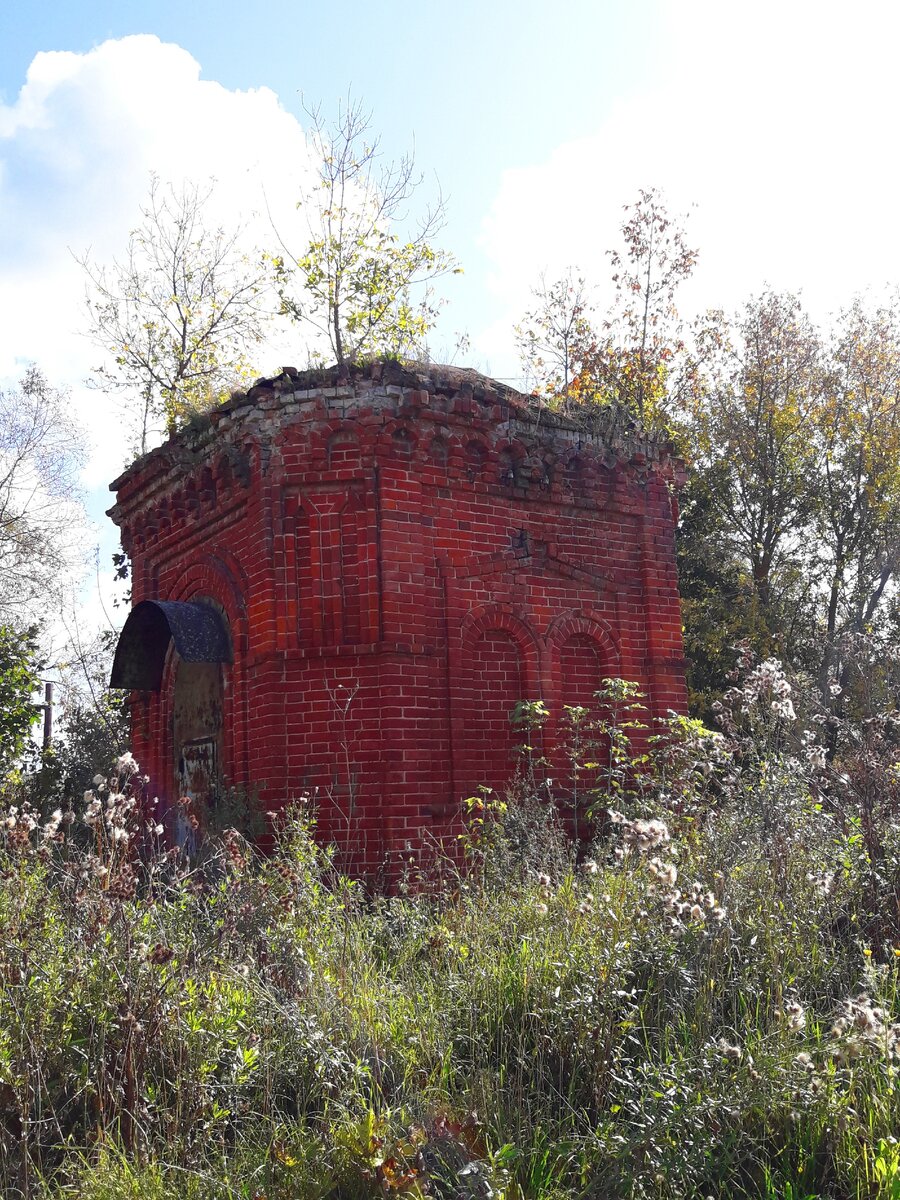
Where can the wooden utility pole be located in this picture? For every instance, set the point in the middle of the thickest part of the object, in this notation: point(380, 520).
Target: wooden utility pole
point(47, 706)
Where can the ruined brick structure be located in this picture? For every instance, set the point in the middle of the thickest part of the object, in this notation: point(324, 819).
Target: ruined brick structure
point(343, 582)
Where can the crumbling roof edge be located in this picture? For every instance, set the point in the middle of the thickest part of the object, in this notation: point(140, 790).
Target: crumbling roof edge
point(431, 377)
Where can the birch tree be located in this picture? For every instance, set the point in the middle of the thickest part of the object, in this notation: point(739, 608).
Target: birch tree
point(361, 272)
point(179, 315)
point(41, 455)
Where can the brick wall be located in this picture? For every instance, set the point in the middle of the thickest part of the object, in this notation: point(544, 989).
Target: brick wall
point(400, 556)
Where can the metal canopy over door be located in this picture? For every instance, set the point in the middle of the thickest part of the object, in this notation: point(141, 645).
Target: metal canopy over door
point(196, 634)
point(196, 628)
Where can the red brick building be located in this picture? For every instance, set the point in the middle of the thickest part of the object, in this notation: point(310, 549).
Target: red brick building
point(343, 582)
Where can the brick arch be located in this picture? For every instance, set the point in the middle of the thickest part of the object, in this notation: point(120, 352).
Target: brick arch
point(545, 470)
point(582, 650)
point(219, 576)
point(511, 464)
point(497, 664)
point(570, 624)
point(475, 456)
point(495, 616)
point(191, 497)
point(578, 471)
point(439, 450)
point(223, 473)
point(399, 440)
point(403, 441)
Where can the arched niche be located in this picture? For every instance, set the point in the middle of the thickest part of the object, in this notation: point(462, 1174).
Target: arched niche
point(475, 457)
point(403, 441)
point(497, 666)
point(510, 462)
point(583, 654)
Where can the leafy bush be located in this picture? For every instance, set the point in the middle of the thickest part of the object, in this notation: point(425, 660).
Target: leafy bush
point(19, 679)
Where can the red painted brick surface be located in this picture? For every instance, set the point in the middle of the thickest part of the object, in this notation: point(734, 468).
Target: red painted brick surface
point(426, 541)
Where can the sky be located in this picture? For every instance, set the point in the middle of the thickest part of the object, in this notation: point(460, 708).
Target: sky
point(773, 126)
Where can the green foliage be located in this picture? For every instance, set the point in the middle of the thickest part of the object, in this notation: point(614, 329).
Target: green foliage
point(750, 428)
point(358, 272)
point(19, 680)
point(91, 728)
point(484, 830)
point(635, 356)
point(719, 606)
point(529, 716)
point(789, 537)
point(93, 734)
point(794, 441)
point(176, 317)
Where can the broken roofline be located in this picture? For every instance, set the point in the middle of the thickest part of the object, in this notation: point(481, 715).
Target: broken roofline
point(611, 428)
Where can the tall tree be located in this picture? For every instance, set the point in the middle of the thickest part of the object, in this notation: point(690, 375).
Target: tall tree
point(359, 279)
point(636, 355)
point(177, 316)
point(40, 514)
point(858, 494)
point(744, 535)
point(751, 431)
point(19, 678)
point(796, 447)
point(556, 339)
point(644, 324)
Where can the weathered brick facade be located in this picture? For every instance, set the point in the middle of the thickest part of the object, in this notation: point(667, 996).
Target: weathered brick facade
point(398, 556)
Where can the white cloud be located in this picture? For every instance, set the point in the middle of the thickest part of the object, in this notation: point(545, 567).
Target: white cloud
point(76, 152)
point(77, 147)
point(777, 120)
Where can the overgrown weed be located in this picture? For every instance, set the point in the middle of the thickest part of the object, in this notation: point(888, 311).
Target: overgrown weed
point(703, 1001)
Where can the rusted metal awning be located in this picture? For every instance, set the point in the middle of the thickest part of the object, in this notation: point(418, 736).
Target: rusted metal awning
point(198, 631)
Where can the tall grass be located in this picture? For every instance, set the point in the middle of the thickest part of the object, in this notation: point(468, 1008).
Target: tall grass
point(703, 1002)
